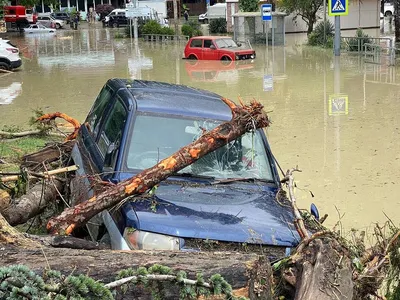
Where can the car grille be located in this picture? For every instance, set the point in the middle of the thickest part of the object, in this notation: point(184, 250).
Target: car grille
point(246, 56)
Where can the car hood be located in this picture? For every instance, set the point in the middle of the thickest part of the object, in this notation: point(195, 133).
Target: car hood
point(239, 50)
point(234, 212)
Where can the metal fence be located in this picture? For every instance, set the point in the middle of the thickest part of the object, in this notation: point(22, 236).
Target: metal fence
point(374, 50)
point(164, 37)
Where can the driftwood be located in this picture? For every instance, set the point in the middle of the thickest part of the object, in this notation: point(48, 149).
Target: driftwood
point(32, 203)
point(44, 175)
point(244, 119)
point(47, 155)
point(245, 272)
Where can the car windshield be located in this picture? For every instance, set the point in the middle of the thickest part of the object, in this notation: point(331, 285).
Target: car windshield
point(225, 43)
point(156, 137)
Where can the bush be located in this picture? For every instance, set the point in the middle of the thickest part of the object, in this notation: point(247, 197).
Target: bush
point(190, 31)
point(316, 38)
point(192, 28)
point(167, 31)
point(217, 25)
point(357, 43)
point(151, 27)
point(248, 5)
point(141, 22)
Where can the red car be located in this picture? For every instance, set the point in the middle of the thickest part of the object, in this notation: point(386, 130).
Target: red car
point(216, 48)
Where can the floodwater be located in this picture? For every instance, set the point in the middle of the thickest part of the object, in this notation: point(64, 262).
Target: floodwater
point(338, 120)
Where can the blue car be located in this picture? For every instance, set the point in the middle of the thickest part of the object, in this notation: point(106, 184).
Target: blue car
point(228, 198)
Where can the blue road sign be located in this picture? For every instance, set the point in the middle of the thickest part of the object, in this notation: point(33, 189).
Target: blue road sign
point(338, 7)
point(268, 83)
point(266, 12)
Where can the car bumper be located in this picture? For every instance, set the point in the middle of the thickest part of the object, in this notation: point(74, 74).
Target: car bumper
point(16, 64)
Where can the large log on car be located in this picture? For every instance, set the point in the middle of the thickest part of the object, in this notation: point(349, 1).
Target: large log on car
point(244, 119)
point(249, 274)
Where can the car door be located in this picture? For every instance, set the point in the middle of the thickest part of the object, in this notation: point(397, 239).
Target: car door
point(209, 50)
point(86, 153)
point(111, 135)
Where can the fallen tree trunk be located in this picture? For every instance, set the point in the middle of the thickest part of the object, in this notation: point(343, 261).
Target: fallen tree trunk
point(249, 274)
point(32, 203)
point(244, 119)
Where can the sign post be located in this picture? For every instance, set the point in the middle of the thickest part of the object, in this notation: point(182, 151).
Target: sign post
point(266, 15)
point(338, 8)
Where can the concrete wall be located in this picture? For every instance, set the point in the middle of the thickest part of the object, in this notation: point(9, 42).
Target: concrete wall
point(363, 14)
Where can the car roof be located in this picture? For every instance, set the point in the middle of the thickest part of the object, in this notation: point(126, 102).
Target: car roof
point(167, 98)
point(211, 37)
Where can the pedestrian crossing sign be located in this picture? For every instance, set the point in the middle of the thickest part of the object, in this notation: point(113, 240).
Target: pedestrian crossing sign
point(338, 104)
point(338, 7)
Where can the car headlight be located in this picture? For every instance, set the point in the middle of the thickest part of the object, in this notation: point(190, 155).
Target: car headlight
point(252, 56)
point(142, 240)
point(237, 56)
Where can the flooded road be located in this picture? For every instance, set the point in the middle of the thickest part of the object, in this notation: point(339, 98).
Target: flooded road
point(337, 120)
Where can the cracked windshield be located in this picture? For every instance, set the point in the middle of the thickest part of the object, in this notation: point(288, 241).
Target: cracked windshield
point(167, 95)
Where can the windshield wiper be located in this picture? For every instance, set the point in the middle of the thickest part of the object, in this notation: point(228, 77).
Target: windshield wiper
point(229, 180)
point(191, 175)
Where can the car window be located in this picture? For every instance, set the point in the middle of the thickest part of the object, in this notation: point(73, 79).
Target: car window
point(151, 141)
point(225, 43)
point(97, 111)
point(196, 43)
point(207, 43)
point(113, 127)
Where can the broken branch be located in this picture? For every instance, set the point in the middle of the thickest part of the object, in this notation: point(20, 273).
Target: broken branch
point(75, 123)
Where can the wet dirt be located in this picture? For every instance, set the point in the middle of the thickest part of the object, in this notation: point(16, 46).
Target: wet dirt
point(336, 119)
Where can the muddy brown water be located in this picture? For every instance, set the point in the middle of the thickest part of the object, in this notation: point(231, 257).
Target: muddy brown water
point(346, 145)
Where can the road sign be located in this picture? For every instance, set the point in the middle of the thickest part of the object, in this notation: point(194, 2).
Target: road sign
point(268, 83)
point(136, 12)
point(338, 7)
point(266, 12)
point(338, 104)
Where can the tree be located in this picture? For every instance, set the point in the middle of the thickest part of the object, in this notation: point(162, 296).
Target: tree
point(397, 21)
point(306, 9)
point(248, 5)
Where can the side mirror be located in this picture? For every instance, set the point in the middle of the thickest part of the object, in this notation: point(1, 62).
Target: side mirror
point(212, 47)
point(239, 44)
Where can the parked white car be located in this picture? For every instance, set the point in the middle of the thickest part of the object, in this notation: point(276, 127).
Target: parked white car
point(38, 28)
point(50, 22)
point(9, 56)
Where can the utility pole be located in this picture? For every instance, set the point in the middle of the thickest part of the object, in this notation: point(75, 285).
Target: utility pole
point(176, 16)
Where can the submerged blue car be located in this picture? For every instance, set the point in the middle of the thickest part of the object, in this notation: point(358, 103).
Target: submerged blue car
point(225, 199)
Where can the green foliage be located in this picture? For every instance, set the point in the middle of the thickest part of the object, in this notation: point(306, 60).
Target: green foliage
point(249, 5)
point(190, 31)
point(192, 28)
point(217, 25)
point(119, 35)
point(393, 274)
point(167, 31)
point(316, 38)
point(306, 9)
point(19, 282)
point(357, 43)
point(152, 27)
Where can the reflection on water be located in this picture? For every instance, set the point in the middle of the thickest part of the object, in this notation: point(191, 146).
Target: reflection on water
point(337, 121)
point(9, 93)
